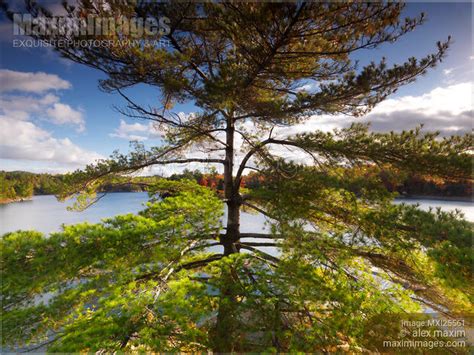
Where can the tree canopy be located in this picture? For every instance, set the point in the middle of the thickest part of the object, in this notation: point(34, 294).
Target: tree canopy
point(345, 257)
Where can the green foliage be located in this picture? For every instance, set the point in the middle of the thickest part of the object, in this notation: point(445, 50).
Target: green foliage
point(140, 283)
point(15, 185)
point(429, 252)
point(92, 283)
point(412, 150)
point(19, 184)
point(347, 255)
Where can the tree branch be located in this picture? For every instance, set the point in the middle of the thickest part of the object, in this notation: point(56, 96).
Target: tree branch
point(260, 236)
point(259, 244)
point(258, 209)
point(162, 119)
point(198, 263)
point(262, 254)
point(189, 160)
point(255, 149)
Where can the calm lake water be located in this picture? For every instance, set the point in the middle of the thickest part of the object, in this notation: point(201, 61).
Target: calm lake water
point(46, 214)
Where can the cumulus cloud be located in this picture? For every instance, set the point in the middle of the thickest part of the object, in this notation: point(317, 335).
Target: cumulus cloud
point(445, 109)
point(65, 114)
point(453, 98)
point(23, 140)
point(22, 107)
point(30, 82)
point(136, 131)
point(24, 101)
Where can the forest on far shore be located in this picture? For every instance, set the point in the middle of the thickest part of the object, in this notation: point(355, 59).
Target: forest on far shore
point(20, 185)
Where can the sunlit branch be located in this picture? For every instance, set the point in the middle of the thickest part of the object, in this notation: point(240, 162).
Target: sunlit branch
point(260, 253)
point(258, 209)
point(172, 270)
point(199, 263)
point(258, 147)
point(260, 244)
point(260, 236)
point(188, 160)
point(36, 347)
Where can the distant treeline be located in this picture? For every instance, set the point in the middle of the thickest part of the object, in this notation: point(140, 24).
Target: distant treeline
point(409, 185)
point(415, 185)
point(18, 185)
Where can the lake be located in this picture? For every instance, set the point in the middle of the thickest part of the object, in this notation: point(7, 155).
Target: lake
point(46, 214)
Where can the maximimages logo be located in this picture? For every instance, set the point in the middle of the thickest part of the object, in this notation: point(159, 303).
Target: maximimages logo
point(90, 26)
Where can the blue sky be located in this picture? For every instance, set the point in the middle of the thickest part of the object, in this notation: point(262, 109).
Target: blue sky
point(71, 121)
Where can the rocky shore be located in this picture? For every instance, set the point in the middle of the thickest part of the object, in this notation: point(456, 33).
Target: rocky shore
point(11, 200)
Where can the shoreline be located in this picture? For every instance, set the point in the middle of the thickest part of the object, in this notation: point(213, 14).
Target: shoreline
point(26, 199)
point(13, 200)
point(434, 198)
point(400, 197)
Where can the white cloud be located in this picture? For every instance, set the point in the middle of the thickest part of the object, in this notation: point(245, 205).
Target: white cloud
point(23, 140)
point(25, 101)
point(136, 131)
point(47, 107)
point(23, 107)
point(64, 114)
point(454, 99)
point(38, 82)
point(43, 166)
point(447, 109)
point(32, 99)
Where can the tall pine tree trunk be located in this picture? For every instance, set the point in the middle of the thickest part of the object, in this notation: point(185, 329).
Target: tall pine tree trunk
point(231, 194)
point(226, 318)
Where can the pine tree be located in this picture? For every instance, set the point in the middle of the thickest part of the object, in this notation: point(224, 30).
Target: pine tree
point(244, 67)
